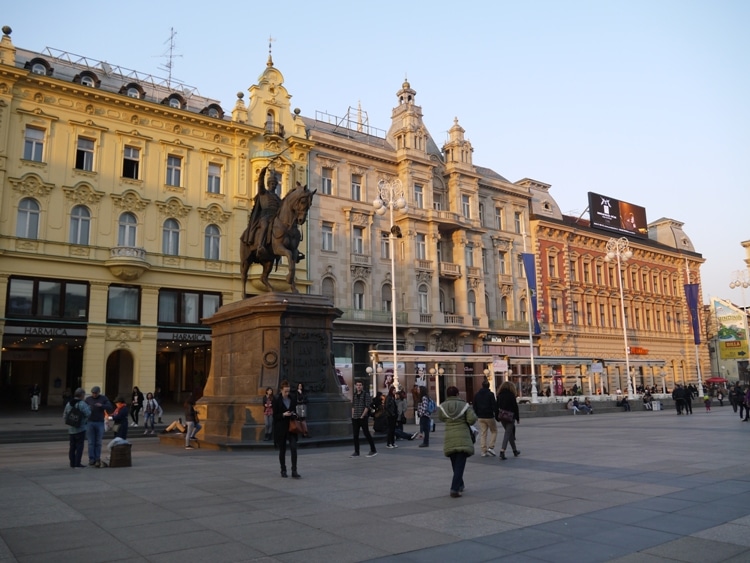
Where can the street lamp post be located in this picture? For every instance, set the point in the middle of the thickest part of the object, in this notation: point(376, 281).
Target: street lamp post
point(740, 279)
point(391, 196)
point(619, 249)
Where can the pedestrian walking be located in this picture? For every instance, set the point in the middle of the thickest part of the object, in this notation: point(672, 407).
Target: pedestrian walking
point(457, 444)
point(150, 410)
point(268, 414)
point(485, 407)
point(35, 393)
point(391, 414)
point(360, 411)
point(424, 410)
point(507, 408)
point(136, 403)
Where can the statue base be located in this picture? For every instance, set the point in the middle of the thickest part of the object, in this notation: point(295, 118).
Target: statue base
point(258, 343)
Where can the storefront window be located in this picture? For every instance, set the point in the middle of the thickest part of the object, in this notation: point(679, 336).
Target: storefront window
point(123, 304)
point(21, 297)
point(48, 298)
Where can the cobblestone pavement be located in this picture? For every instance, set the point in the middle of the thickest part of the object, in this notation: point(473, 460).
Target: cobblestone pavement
point(640, 486)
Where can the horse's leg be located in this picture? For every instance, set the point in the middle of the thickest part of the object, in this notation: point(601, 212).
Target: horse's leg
point(244, 268)
point(267, 265)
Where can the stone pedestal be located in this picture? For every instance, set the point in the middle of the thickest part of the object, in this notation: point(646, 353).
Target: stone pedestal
point(259, 342)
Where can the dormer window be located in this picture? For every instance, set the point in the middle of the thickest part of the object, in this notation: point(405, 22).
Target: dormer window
point(39, 66)
point(213, 112)
point(174, 101)
point(133, 90)
point(88, 79)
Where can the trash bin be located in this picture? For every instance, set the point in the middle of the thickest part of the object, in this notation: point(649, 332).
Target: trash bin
point(120, 456)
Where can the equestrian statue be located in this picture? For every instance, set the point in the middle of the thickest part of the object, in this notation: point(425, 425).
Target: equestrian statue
point(272, 230)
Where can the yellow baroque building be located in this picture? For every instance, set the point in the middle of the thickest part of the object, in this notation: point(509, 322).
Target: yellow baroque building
point(123, 198)
point(123, 201)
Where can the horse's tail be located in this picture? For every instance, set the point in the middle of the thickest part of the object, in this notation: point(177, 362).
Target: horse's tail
point(276, 261)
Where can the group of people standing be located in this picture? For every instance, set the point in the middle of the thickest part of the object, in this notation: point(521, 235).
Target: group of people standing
point(95, 411)
point(740, 400)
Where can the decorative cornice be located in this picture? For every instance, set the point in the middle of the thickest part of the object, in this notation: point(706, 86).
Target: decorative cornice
point(173, 207)
point(129, 201)
point(214, 214)
point(83, 194)
point(31, 185)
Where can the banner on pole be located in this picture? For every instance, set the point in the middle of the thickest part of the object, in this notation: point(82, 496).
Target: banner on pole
point(530, 269)
point(691, 294)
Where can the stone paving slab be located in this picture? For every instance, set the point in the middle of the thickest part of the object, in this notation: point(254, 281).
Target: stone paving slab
point(659, 488)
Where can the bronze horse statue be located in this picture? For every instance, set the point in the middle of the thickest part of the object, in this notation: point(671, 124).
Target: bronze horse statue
point(283, 239)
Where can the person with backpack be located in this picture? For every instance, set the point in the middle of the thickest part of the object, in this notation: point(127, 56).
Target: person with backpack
point(76, 416)
point(424, 410)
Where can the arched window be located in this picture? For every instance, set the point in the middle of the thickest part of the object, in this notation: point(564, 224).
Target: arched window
point(80, 225)
point(126, 234)
point(522, 309)
point(503, 309)
point(27, 225)
point(86, 80)
point(386, 293)
point(472, 303)
point(442, 301)
point(358, 295)
point(424, 299)
point(270, 121)
point(174, 103)
point(328, 288)
point(487, 304)
point(133, 92)
point(171, 238)
point(39, 68)
point(212, 243)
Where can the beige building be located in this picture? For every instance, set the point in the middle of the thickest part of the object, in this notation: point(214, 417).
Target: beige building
point(123, 198)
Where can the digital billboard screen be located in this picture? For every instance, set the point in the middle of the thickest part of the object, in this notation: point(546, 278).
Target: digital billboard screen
point(617, 216)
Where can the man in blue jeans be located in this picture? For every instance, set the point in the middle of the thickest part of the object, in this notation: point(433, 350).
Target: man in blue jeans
point(95, 429)
point(360, 414)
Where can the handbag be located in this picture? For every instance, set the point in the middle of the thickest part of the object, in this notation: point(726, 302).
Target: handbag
point(473, 431)
point(505, 416)
point(294, 427)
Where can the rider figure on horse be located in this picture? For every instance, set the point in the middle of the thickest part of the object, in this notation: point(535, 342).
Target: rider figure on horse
point(267, 204)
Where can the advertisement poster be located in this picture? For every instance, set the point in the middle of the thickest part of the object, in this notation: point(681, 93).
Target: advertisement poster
point(732, 331)
point(617, 216)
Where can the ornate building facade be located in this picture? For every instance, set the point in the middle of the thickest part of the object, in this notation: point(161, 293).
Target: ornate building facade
point(123, 201)
point(123, 198)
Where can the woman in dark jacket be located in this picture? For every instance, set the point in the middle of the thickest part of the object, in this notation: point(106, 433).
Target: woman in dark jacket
point(391, 414)
point(506, 401)
point(284, 410)
point(379, 421)
point(136, 404)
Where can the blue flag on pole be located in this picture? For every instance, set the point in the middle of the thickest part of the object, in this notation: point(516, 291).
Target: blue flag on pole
point(530, 268)
point(691, 294)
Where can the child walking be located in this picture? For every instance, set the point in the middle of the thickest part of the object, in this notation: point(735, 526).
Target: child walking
point(707, 402)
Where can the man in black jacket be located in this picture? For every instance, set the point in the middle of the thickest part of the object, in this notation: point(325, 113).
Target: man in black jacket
point(485, 405)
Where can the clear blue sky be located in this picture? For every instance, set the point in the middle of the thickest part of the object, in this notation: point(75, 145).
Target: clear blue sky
point(646, 101)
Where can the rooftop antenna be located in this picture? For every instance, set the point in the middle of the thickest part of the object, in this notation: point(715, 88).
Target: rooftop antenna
point(170, 55)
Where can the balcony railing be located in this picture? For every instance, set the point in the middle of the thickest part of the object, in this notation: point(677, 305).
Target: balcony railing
point(504, 324)
point(453, 319)
point(504, 279)
point(424, 264)
point(449, 270)
point(372, 316)
point(473, 272)
point(361, 259)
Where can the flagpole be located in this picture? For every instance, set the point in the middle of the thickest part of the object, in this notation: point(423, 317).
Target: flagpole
point(534, 393)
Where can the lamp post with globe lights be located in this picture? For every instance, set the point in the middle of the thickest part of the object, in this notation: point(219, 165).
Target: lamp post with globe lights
point(740, 279)
point(391, 197)
point(619, 249)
